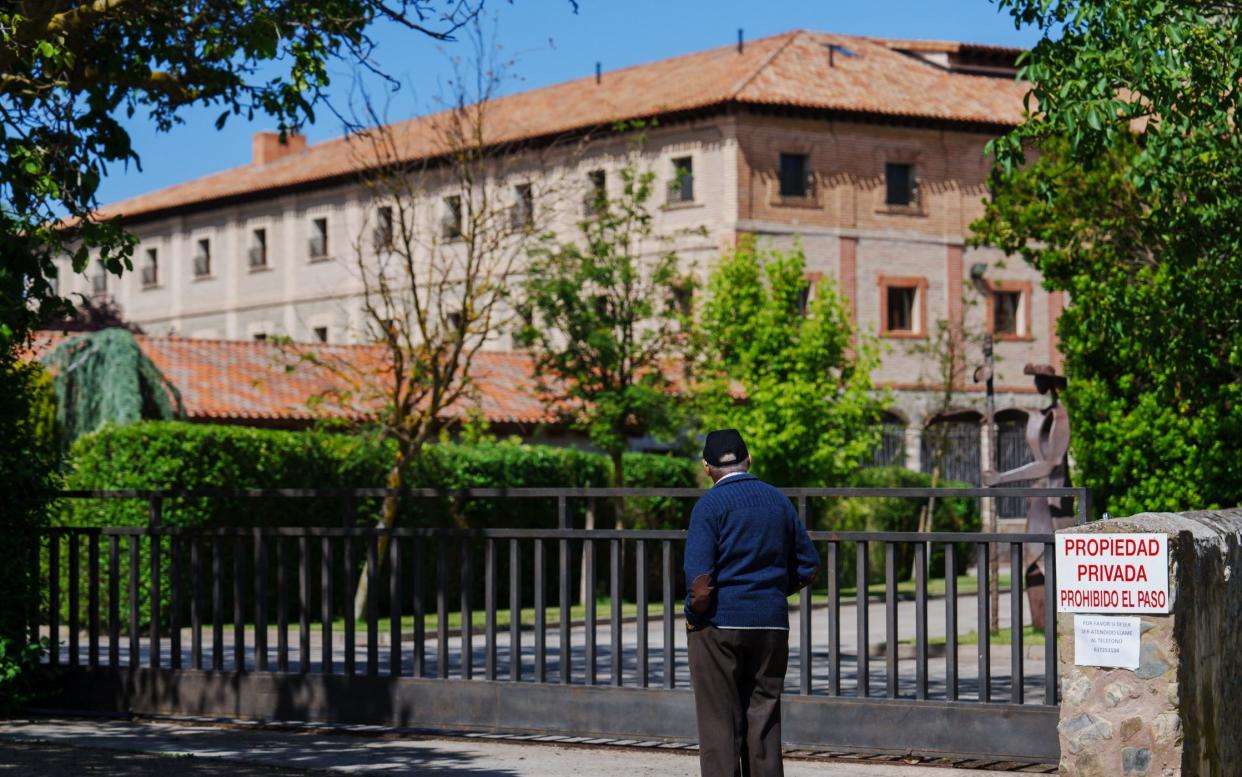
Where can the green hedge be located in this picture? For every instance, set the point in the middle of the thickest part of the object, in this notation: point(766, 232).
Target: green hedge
point(176, 455)
point(898, 514)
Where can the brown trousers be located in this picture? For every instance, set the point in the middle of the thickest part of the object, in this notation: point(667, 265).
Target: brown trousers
point(737, 676)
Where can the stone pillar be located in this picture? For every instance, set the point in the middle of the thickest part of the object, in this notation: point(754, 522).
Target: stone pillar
point(1180, 713)
point(914, 446)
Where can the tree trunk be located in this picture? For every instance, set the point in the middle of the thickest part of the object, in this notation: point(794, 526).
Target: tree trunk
point(994, 578)
point(388, 519)
point(618, 477)
point(589, 525)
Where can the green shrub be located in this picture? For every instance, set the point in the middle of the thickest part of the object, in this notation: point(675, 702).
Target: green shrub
point(20, 674)
point(177, 455)
point(898, 514)
point(29, 459)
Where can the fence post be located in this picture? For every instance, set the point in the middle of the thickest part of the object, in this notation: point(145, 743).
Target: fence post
point(349, 509)
point(155, 518)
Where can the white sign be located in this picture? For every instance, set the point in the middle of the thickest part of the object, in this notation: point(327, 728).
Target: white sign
point(1106, 640)
point(1113, 573)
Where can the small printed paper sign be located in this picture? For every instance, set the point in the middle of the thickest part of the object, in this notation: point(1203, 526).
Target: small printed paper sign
point(1106, 640)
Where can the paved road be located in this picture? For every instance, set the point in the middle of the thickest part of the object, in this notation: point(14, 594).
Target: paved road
point(67, 748)
point(968, 664)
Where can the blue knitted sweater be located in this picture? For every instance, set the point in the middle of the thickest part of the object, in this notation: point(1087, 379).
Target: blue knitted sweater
point(746, 552)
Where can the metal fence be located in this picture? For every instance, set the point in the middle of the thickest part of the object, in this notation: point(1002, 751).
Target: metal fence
point(515, 609)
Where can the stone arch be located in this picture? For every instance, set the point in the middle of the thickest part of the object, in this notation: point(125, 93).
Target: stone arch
point(1012, 452)
point(952, 439)
point(890, 449)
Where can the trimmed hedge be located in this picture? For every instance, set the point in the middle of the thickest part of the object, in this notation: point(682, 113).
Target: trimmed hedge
point(898, 514)
point(171, 455)
point(178, 455)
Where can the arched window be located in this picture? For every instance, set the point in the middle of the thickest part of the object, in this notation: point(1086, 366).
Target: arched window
point(1012, 452)
point(952, 442)
point(890, 449)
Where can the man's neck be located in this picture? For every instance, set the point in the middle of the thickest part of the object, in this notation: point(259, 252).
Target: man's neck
point(723, 478)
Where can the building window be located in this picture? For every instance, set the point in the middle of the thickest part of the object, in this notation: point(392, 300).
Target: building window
point(681, 187)
point(951, 445)
point(99, 281)
point(794, 175)
point(682, 298)
point(321, 334)
point(260, 336)
point(258, 249)
point(202, 259)
point(807, 294)
point(1010, 311)
point(523, 206)
point(151, 269)
point(383, 228)
point(890, 449)
point(450, 224)
point(902, 307)
point(901, 301)
point(899, 184)
point(318, 243)
point(597, 192)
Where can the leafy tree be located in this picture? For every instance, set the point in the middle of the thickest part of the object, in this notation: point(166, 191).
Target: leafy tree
point(433, 298)
point(104, 377)
point(605, 319)
point(781, 362)
point(1133, 208)
point(71, 70)
point(28, 469)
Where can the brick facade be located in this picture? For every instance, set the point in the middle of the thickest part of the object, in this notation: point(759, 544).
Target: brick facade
point(848, 229)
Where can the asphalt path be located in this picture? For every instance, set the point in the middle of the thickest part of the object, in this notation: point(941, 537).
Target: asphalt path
point(69, 747)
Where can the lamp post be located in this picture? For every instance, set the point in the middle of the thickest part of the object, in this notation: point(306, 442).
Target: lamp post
point(985, 373)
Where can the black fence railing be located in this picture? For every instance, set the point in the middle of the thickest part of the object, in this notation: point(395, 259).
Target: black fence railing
point(477, 603)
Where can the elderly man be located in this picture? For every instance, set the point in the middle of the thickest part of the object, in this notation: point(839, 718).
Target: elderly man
point(746, 552)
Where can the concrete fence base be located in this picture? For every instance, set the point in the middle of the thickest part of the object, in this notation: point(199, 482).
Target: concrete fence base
point(1180, 712)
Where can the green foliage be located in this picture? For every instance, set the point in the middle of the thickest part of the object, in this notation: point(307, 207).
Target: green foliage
point(28, 465)
point(178, 455)
point(1144, 232)
point(75, 73)
point(104, 377)
point(810, 412)
point(898, 514)
point(604, 319)
point(19, 674)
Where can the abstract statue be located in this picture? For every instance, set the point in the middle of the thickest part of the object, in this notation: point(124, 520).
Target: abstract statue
point(1048, 436)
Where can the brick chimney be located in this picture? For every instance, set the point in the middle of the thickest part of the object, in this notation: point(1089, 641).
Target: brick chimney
point(267, 146)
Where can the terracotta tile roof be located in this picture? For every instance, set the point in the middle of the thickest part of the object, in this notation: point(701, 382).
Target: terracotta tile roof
point(227, 381)
point(867, 76)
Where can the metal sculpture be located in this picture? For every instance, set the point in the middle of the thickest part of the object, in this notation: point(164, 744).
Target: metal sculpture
point(1048, 436)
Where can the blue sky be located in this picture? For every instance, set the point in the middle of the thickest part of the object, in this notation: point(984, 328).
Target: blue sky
point(550, 43)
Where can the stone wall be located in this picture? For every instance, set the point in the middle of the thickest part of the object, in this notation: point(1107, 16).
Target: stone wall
point(1180, 713)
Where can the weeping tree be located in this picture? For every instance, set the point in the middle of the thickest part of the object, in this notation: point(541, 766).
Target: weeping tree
point(104, 377)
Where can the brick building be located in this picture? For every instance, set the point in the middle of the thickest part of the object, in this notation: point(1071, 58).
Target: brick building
point(868, 151)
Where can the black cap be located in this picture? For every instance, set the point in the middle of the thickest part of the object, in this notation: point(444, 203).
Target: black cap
point(724, 447)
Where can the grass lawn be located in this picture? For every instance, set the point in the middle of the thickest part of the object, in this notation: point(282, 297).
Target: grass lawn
point(905, 589)
point(1030, 636)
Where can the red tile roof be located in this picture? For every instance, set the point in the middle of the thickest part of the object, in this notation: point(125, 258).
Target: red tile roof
point(867, 76)
point(227, 381)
